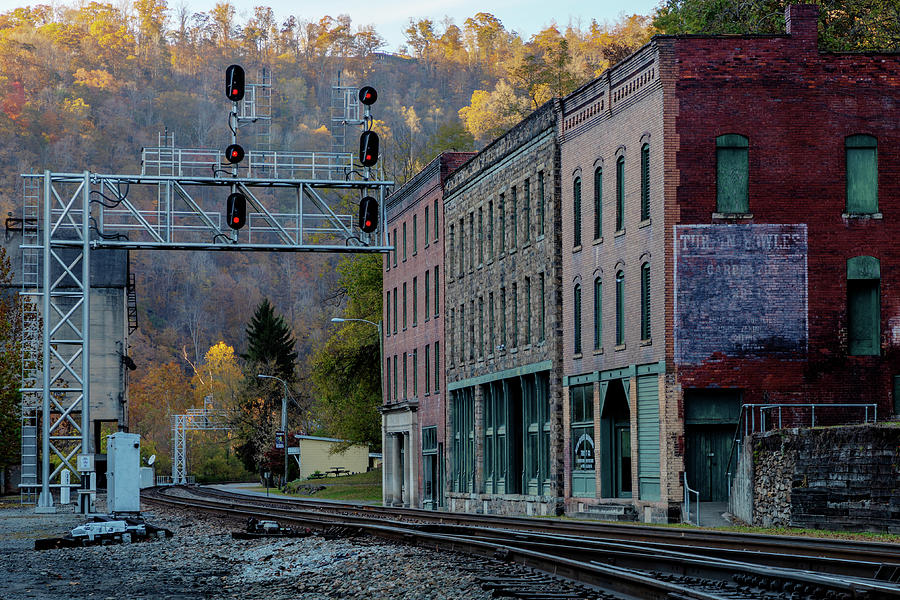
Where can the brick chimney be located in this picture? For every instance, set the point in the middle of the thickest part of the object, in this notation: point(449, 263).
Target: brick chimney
point(803, 23)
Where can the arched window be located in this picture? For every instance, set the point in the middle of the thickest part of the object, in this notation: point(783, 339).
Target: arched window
point(620, 308)
point(598, 203)
point(620, 193)
point(577, 317)
point(598, 313)
point(576, 207)
point(645, 182)
point(645, 301)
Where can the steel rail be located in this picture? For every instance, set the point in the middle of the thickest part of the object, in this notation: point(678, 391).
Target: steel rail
point(612, 579)
point(866, 554)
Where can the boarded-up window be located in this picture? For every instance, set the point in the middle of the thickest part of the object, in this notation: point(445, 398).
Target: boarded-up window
point(863, 306)
point(862, 174)
point(732, 174)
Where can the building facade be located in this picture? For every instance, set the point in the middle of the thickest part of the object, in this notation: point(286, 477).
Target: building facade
point(728, 222)
point(413, 436)
point(502, 324)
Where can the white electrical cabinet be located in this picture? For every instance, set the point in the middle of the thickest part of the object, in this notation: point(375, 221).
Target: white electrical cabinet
point(123, 472)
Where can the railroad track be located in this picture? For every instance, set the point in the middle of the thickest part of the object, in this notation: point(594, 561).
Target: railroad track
point(625, 560)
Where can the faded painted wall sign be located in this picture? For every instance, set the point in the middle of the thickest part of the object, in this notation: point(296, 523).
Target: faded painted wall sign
point(740, 291)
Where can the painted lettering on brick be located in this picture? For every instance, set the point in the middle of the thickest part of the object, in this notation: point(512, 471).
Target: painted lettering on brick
point(741, 291)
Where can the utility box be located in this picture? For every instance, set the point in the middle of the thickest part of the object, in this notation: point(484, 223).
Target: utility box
point(148, 477)
point(123, 472)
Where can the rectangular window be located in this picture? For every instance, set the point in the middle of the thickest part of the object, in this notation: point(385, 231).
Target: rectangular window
point(598, 314)
point(395, 310)
point(387, 313)
point(864, 317)
point(503, 318)
point(463, 440)
point(862, 174)
point(528, 311)
point(437, 367)
point(436, 229)
point(425, 220)
point(645, 301)
point(427, 370)
point(492, 347)
point(396, 380)
point(415, 301)
point(415, 236)
point(437, 289)
point(502, 214)
point(451, 248)
point(480, 236)
point(541, 323)
point(404, 241)
point(490, 230)
point(404, 306)
point(415, 372)
point(526, 210)
point(598, 203)
point(387, 371)
point(451, 331)
point(462, 333)
point(427, 294)
point(576, 210)
point(471, 241)
point(514, 220)
point(394, 239)
point(471, 338)
point(620, 193)
point(581, 409)
point(405, 378)
point(732, 174)
point(540, 206)
point(481, 327)
point(576, 317)
point(462, 246)
point(387, 258)
point(515, 315)
point(645, 182)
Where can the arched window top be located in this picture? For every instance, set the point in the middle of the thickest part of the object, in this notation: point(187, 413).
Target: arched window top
point(863, 267)
point(576, 172)
point(732, 140)
point(577, 280)
point(577, 181)
point(861, 140)
point(620, 160)
point(620, 276)
point(645, 147)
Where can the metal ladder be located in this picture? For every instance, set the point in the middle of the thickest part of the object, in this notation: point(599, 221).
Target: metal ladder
point(32, 375)
point(132, 305)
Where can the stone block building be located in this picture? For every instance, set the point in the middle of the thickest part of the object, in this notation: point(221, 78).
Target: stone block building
point(502, 327)
point(413, 411)
point(727, 239)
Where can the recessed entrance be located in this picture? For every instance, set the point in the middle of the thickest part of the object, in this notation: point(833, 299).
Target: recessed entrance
point(711, 418)
point(615, 428)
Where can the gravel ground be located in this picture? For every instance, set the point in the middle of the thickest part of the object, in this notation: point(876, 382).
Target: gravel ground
point(202, 561)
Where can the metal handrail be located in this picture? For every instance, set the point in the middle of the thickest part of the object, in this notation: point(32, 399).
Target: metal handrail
point(686, 510)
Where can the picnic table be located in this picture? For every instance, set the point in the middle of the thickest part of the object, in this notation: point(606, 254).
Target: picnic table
point(337, 471)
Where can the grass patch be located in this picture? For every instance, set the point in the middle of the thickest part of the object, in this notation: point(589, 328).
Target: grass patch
point(359, 487)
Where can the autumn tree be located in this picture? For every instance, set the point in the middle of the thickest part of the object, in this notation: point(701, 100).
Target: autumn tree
point(10, 370)
point(163, 390)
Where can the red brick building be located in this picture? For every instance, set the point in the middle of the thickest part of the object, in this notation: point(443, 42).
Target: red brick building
point(730, 217)
point(413, 411)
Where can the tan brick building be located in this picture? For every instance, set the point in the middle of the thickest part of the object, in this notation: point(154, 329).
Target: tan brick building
point(502, 327)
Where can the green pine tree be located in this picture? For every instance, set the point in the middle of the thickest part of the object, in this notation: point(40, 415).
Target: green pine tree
point(270, 342)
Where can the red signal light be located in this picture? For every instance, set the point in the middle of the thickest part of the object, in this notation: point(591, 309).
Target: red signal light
point(368, 214)
point(368, 95)
point(234, 153)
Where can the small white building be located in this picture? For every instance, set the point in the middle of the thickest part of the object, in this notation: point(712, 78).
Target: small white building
point(316, 454)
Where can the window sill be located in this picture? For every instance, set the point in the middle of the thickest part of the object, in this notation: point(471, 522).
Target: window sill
point(644, 223)
point(876, 215)
point(577, 355)
point(619, 348)
point(415, 253)
point(576, 249)
point(512, 251)
point(514, 351)
point(647, 342)
point(436, 316)
point(598, 240)
point(598, 351)
point(732, 216)
point(527, 244)
point(480, 265)
point(539, 238)
point(619, 233)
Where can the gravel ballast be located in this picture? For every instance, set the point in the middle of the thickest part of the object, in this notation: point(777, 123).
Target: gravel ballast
point(202, 561)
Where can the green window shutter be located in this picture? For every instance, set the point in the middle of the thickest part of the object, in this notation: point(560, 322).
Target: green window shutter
point(577, 317)
point(645, 182)
point(863, 306)
point(598, 203)
point(862, 174)
point(620, 193)
point(732, 174)
point(620, 308)
point(576, 207)
point(648, 436)
point(598, 314)
point(645, 301)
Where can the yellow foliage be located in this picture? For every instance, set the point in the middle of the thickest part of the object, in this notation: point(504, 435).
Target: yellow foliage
point(219, 376)
point(76, 107)
point(97, 78)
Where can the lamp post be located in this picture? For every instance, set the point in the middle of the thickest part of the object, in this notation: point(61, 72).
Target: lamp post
point(283, 422)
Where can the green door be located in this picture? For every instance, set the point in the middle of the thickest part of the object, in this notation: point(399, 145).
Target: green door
point(706, 458)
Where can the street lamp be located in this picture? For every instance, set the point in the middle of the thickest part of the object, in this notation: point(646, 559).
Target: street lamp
point(283, 422)
point(380, 344)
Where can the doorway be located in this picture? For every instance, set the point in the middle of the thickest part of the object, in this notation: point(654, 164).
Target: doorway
point(615, 427)
point(711, 418)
